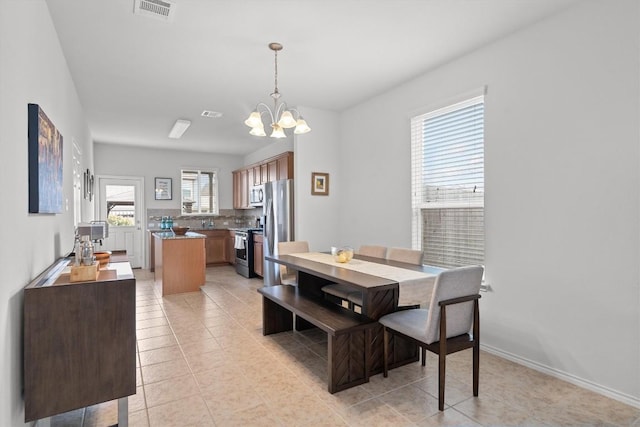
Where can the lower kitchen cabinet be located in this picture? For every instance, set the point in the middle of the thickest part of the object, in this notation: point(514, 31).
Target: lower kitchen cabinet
point(216, 246)
point(231, 251)
point(258, 254)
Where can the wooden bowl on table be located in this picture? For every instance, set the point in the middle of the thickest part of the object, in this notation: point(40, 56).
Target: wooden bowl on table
point(103, 257)
point(180, 231)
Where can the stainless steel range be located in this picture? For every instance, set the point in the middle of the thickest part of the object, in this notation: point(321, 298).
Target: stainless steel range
point(243, 245)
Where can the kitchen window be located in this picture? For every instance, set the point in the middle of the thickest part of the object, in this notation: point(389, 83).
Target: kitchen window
point(447, 162)
point(199, 191)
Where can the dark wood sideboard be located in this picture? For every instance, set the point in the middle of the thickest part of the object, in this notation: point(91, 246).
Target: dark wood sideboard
point(79, 340)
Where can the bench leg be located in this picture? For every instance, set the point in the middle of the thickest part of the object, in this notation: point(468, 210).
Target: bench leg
point(275, 318)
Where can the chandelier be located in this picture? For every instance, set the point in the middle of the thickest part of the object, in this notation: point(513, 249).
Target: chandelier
point(282, 117)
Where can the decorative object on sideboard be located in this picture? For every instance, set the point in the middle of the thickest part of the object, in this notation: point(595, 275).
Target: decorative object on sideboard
point(163, 189)
point(319, 184)
point(281, 115)
point(45, 163)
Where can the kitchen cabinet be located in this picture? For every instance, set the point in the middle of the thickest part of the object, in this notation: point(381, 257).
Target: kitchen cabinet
point(216, 246)
point(231, 251)
point(237, 190)
point(272, 169)
point(152, 251)
point(257, 175)
point(258, 254)
point(241, 189)
point(285, 167)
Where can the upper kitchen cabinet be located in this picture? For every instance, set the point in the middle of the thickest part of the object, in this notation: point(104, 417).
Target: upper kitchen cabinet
point(285, 166)
point(272, 169)
point(240, 189)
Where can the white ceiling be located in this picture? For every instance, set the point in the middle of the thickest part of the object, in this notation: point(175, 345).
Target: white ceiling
point(136, 75)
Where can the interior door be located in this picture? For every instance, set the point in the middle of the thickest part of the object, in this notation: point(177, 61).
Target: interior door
point(120, 203)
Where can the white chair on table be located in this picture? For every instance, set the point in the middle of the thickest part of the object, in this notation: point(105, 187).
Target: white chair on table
point(287, 275)
point(409, 256)
point(450, 324)
point(342, 292)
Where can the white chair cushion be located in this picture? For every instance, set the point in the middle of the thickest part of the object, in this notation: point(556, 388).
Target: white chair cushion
point(412, 323)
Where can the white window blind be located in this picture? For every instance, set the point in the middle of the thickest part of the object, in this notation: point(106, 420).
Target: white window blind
point(447, 167)
point(199, 191)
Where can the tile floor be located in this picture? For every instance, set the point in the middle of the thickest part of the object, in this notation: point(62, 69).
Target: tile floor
point(202, 361)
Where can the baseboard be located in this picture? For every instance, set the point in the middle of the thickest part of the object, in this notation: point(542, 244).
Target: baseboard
point(580, 382)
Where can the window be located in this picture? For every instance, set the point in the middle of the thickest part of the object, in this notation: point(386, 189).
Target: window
point(199, 190)
point(447, 159)
point(120, 205)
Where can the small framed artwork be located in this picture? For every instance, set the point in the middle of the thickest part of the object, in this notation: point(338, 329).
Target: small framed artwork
point(163, 188)
point(319, 184)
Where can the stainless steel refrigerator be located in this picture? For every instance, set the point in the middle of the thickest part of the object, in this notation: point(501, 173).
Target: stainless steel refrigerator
point(278, 227)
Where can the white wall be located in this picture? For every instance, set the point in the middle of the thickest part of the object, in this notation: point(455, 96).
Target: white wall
point(32, 70)
point(317, 218)
point(562, 199)
point(112, 159)
point(272, 147)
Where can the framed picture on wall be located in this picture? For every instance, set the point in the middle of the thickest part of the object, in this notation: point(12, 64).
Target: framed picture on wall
point(319, 184)
point(163, 189)
point(45, 163)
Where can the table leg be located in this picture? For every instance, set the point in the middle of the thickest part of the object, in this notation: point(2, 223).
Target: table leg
point(123, 412)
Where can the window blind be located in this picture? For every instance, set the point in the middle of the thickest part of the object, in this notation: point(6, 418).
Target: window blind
point(199, 192)
point(447, 168)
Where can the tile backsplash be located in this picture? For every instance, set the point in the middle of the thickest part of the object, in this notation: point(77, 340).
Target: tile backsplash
point(228, 218)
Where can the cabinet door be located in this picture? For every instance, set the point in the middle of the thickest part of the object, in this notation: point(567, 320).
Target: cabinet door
point(272, 168)
point(231, 252)
point(237, 193)
point(257, 175)
point(258, 256)
point(244, 196)
point(216, 249)
point(285, 166)
point(264, 173)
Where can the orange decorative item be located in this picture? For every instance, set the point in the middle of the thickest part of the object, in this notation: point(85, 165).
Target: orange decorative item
point(103, 257)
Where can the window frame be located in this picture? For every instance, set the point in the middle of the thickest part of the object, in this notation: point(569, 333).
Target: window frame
point(419, 186)
point(213, 181)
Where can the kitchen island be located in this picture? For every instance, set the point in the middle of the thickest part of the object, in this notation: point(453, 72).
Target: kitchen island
point(179, 262)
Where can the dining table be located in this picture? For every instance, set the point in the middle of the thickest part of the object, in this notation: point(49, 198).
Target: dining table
point(386, 286)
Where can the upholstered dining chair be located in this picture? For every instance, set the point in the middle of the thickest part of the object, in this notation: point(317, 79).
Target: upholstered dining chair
point(450, 324)
point(410, 256)
point(341, 292)
point(288, 276)
point(373, 251)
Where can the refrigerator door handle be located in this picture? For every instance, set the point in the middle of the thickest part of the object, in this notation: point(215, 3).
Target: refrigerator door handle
point(269, 227)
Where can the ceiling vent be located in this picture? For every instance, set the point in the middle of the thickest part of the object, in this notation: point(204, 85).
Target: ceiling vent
point(158, 9)
point(211, 114)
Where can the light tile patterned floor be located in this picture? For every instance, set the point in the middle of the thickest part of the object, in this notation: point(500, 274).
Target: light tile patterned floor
point(202, 361)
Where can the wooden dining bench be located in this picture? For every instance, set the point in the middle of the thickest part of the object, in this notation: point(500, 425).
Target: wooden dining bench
point(348, 334)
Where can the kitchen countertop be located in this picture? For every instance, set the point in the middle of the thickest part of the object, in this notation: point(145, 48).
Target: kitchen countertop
point(171, 235)
point(156, 230)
